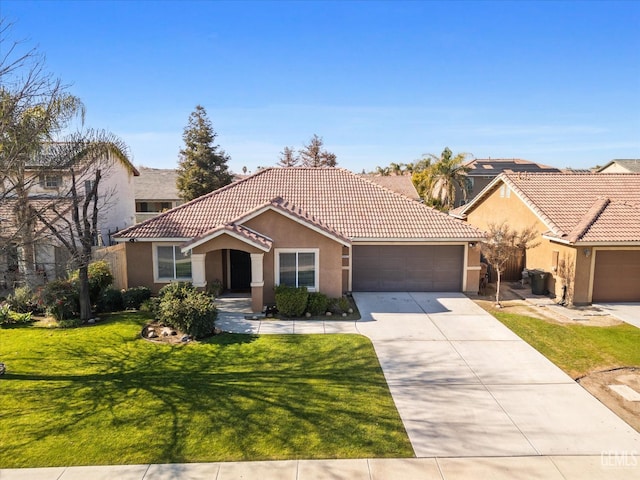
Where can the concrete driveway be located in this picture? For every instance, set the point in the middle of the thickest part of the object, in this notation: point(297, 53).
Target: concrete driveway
point(465, 385)
point(627, 312)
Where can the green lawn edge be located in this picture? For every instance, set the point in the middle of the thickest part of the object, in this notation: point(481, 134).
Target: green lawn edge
point(102, 395)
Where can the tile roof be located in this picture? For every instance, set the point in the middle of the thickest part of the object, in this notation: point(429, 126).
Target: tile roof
point(401, 184)
point(580, 207)
point(41, 204)
point(332, 199)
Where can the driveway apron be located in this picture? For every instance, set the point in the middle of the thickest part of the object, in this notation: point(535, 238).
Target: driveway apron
point(465, 385)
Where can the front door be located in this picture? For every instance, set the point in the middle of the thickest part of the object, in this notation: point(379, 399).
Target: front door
point(240, 270)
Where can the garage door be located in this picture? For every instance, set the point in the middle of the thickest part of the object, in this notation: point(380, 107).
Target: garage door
point(411, 268)
point(617, 276)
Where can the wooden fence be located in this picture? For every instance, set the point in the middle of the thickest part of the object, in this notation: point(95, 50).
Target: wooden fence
point(117, 259)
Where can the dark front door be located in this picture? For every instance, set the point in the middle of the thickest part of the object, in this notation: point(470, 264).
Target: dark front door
point(240, 270)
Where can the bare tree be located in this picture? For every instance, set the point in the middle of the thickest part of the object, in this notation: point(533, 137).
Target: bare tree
point(502, 243)
point(566, 272)
point(34, 108)
point(73, 218)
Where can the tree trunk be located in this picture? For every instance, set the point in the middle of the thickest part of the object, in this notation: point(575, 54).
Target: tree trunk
point(498, 288)
point(85, 299)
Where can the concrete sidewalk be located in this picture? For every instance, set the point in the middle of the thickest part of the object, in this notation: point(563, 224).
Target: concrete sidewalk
point(497, 468)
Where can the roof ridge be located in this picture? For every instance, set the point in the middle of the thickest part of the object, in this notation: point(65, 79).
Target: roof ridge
point(506, 178)
point(588, 219)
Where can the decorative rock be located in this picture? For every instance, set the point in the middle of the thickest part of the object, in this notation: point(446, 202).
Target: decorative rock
point(344, 314)
point(185, 338)
point(255, 317)
point(3, 368)
point(307, 314)
point(166, 331)
point(152, 334)
point(217, 331)
point(329, 314)
point(350, 310)
point(91, 321)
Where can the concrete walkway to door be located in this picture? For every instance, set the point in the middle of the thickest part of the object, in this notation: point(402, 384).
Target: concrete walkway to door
point(465, 385)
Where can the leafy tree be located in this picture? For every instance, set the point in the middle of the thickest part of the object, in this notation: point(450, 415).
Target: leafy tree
point(202, 167)
point(439, 176)
point(288, 158)
point(502, 243)
point(314, 155)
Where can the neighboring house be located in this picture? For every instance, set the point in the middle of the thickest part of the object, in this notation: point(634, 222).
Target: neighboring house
point(324, 228)
point(155, 192)
point(621, 166)
point(52, 185)
point(589, 221)
point(483, 171)
point(402, 184)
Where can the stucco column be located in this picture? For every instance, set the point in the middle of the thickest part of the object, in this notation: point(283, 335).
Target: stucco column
point(198, 273)
point(257, 282)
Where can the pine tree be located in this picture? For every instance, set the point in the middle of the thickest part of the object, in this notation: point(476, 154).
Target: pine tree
point(314, 155)
point(202, 167)
point(288, 158)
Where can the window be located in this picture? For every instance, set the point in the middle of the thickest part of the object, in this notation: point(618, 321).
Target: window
point(51, 181)
point(88, 186)
point(297, 268)
point(171, 264)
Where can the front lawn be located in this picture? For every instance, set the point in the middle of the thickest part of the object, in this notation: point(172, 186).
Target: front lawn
point(101, 395)
point(578, 349)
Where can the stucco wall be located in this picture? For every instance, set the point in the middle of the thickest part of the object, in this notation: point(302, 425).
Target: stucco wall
point(287, 233)
point(497, 208)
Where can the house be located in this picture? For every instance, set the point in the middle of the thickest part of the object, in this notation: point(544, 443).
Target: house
point(155, 192)
point(323, 228)
point(483, 171)
point(621, 166)
point(48, 185)
point(588, 222)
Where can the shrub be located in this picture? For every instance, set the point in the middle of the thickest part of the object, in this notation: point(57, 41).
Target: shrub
point(21, 300)
point(151, 305)
point(318, 303)
point(100, 277)
point(9, 317)
point(291, 301)
point(184, 308)
point(110, 300)
point(132, 298)
point(339, 305)
point(60, 299)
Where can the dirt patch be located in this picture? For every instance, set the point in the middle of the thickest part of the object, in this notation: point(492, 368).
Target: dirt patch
point(597, 384)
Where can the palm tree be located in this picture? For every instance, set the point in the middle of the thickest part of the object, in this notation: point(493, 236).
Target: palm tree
point(443, 176)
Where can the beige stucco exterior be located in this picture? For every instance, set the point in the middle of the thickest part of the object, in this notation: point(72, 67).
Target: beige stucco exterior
point(502, 205)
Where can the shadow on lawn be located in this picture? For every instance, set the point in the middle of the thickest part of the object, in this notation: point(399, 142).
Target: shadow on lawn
point(233, 404)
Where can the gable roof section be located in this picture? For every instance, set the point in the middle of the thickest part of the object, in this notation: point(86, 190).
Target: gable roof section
point(402, 184)
point(331, 199)
point(577, 207)
point(491, 167)
point(244, 234)
point(156, 184)
point(631, 165)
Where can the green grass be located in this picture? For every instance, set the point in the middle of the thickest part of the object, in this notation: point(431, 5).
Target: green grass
point(578, 349)
point(101, 395)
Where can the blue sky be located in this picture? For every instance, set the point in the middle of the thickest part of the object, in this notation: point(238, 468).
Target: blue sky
point(552, 82)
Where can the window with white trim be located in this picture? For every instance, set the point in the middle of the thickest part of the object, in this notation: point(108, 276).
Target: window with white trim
point(171, 264)
point(297, 268)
